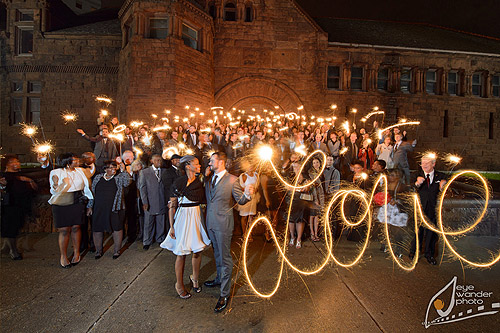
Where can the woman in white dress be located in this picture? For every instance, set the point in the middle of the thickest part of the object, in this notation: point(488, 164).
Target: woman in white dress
point(384, 152)
point(248, 210)
point(187, 234)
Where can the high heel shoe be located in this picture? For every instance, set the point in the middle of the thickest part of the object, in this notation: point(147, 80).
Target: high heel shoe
point(182, 293)
point(195, 283)
point(74, 263)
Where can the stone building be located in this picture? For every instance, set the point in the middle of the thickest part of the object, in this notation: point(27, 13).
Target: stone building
point(154, 55)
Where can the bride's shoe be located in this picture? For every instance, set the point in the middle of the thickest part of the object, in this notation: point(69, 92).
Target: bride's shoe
point(196, 285)
point(182, 292)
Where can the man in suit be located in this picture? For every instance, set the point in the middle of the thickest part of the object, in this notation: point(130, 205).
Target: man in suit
point(174, 139)
point(104, 150)
point(221, 190)
point(283, 151)
point(429, 183)
point(318, 145)
point(400, 156)
point(129, 142)
point(218, 140)
point(192, 137)
point(152, 188)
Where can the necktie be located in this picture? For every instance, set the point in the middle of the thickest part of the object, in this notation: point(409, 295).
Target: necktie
point(396, 148)
point(428, 180)
point(157, 172)
point(214, 181)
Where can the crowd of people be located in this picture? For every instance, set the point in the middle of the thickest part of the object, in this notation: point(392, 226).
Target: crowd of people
point(184, 188)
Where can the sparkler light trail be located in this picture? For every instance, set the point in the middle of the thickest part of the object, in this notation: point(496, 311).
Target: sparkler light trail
point(136, 124)
point(365, 204)
point(28, 130)
point(119, 128)
point(406, 123)
point(365, 118)
point(104, 98)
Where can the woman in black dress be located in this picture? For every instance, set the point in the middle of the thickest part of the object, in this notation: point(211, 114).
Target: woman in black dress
point(17, 192)
point(108, 207)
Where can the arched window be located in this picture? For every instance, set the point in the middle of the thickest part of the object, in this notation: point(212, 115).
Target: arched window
point(230, 12)
point(248, 12)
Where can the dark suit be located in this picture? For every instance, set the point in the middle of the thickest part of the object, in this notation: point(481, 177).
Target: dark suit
point(103, 151)
point(400, 158)
point(220, 224)
point(428, 194)
point(128, 144)
point(322, 146)
point(190, 142)
point(153, 193)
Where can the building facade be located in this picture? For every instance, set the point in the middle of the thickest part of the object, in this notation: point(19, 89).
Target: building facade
point(158, 55)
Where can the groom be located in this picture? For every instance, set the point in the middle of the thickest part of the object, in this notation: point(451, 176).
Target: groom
point(220, 190)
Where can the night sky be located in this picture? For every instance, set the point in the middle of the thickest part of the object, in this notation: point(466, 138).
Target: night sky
point(476, 16)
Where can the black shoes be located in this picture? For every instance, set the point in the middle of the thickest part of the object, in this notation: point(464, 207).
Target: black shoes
point(98, 255)
point(116, 256)
point(211, 283)
point(431, 260)
point(221, 304)
point(146, 247)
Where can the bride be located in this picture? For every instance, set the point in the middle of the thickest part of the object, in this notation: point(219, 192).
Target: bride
point(187, 234)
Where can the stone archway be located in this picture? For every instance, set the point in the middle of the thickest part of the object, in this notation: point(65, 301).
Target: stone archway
point(257, 89)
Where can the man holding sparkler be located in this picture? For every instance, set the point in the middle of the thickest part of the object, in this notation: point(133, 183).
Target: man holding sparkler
point(105, 148)
point(429, 183)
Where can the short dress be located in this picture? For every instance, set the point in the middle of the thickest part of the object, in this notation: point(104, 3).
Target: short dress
point(250, 208)
point(190, 235)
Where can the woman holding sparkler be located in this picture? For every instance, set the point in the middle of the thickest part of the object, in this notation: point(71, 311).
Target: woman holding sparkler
point(70, 191)
point(318, 198)
point(248, 210)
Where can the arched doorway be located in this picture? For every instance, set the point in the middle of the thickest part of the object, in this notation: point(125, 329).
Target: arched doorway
point(259, 93)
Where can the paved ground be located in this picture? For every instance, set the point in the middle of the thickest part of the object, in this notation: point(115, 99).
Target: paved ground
point(135, 293)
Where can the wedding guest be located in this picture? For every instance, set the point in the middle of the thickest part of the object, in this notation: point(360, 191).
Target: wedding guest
point(70, 191)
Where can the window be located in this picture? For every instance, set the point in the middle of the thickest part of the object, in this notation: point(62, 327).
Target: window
point(25, 102)
point(158, 28)
point(453, 83)
point(34, 87)
point(248, 13)
point(25, 15)
point(34, 110)
point(230, 12)
point(405, 81)
point(190, 36)
point(383, 79)
point(24, 40)
point(357, 74)
point(431, 81)
point(17, 87)
point(212, 11)
point(333, 80)
point(477, 84)
point(16, 105)
point(495, 85)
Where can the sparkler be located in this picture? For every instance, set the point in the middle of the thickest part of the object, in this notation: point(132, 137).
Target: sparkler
point(43, 148)
point(146, 139)
point(168, 152)
point(69, 117)
point(104, 113)
point(161, 128)
point(29, 130)
point(137, 151)
point(365, 118)
point(343, 150)
point(346, 126)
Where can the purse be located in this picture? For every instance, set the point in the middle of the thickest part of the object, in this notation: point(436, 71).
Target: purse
point(63, 199)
